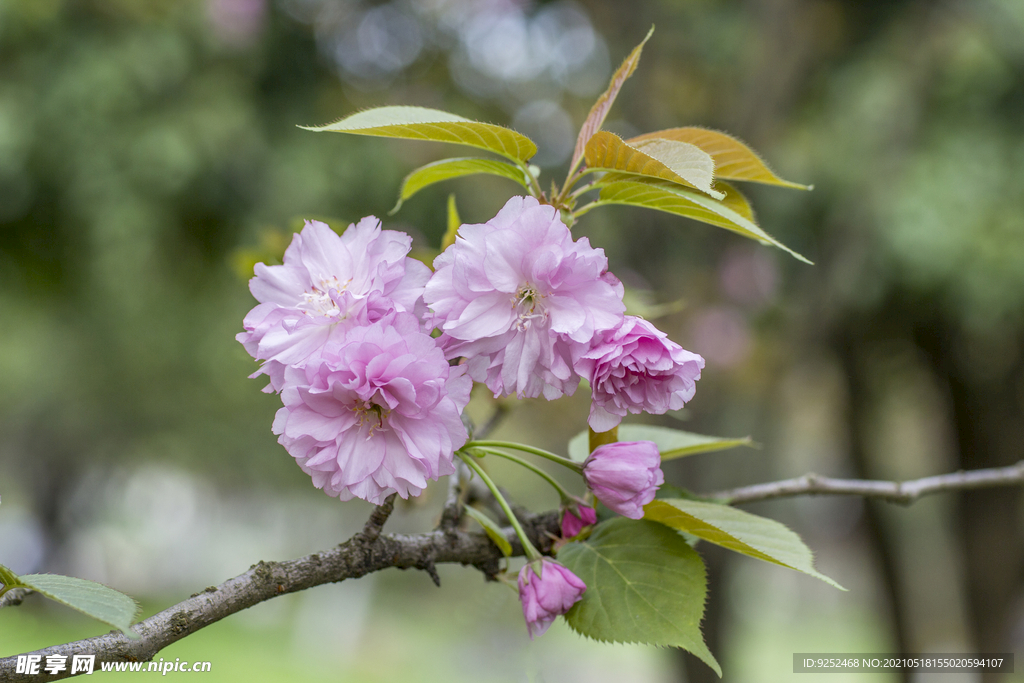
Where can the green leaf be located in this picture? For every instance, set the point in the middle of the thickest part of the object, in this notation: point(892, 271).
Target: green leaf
point(491, 528)
point(672, 443)
point(759, 537)
point(645, 584)
point(595, 119)
point(454, 223)
point(419, 123)
point(733, 159)
point(674, 199)
point(446, 169)
point(676, 162)
point(91, 598)
point(9, 579)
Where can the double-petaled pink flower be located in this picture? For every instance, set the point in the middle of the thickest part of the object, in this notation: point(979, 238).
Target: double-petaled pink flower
point(548, 595)
point(327, 285)
point(624, 475)
point(636, 368)
point(516, 296)
point(376, 412)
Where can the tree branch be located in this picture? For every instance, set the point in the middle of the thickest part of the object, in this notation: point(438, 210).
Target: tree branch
point(905, 492)
point(14, 596)
point(366, 552)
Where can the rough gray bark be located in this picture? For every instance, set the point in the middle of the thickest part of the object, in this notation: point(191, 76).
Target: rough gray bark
point(366, 552)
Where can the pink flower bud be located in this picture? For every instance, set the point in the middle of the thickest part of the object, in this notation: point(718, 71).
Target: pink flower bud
point(572, 523)
point(547, 596)
point(625, 475)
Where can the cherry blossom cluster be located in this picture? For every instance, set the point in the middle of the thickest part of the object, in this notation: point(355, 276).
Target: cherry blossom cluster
point(373, 401)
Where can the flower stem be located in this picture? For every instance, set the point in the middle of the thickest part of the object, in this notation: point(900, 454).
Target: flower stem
point(565, 495)
point(565, 462)
point(531, 552)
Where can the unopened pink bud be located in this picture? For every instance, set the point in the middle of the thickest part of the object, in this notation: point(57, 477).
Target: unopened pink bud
point(572, 523)
point(547, 596)
point(625, 475)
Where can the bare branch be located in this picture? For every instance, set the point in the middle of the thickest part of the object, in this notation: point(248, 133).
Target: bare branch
point(14, 596)
point(905, 492)
point(366, 552)
point(453, 503)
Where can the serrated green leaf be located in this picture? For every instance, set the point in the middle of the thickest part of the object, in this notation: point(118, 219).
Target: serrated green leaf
point(672, 443)
point(91, 598)
point(733, 159)
point(676, 162)
point(645, 584)
point(598, 112)
point(735, 200)
point(491, 528)
point(419, 123)
point(751, 535)
point(674, 199)
point(447, 169)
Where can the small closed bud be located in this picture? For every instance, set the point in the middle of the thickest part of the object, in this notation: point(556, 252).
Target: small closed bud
point(624, 475)
point(547, 590)
point(572, 523)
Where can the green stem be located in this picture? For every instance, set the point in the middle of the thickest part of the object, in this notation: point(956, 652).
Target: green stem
point(531, 552)
point(565, 495)
point(535, 184)
point(565, 462)
point(587, 207)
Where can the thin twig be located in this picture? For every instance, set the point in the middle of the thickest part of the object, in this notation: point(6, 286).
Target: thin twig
point(501, 411)
point(453, 503)
point(356, 557)
point(905, 492)
point(379, 517)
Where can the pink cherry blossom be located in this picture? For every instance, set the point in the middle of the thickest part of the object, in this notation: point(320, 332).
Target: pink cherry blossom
point(624, 475)
point(376, 412)
point(516, 295)
point(636, 368)
point(327, 284)
point(572, 523)
point(547, 596)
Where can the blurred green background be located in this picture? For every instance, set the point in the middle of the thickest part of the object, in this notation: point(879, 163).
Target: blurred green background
point(149, 155)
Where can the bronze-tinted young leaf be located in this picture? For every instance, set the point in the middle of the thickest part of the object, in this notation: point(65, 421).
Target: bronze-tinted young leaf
point(446, 169)
point(645, 584)
point(676, 162)
point(672, 198)
point(751, 535)
point(419, 123)
point(604, 103)
point(733, 159)
point(735, 200)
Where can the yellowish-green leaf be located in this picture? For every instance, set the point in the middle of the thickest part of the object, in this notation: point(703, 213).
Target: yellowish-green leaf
point(595, 119)
point(758, 537)
point(446, 169)
point(645, 584)
point(91, 598)
point(733, 159)
point(491, 528)
point(735, 200)
point(419, 123)
point(671, 198)
point(672, 443)
point(676, 162)
point(454, 223)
